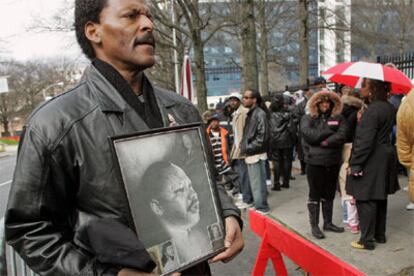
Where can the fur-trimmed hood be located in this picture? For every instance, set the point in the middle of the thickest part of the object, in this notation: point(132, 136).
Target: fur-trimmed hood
point(318, 97)
point(352, 101)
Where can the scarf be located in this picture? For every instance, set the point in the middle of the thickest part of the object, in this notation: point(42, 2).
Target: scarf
point(145, 104)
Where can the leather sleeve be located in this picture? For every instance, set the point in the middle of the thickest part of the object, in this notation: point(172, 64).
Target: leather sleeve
point(311, 134)
point(37, 221)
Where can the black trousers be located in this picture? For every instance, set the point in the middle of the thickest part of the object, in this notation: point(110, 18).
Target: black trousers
point(283, 164)
point(372, 219)
point(322, 182)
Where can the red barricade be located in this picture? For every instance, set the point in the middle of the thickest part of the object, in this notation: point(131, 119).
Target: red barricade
point(278, 240)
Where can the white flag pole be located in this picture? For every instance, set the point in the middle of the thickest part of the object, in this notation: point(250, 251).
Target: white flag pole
point(177, 82)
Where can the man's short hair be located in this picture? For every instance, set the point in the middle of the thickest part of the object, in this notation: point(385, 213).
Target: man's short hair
point(85, 11)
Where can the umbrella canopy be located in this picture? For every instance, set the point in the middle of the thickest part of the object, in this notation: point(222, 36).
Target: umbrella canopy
point(352, 74)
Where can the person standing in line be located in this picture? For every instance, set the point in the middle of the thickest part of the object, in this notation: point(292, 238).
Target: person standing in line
point(373, 164)
point(405, 141)
point(298, 112)
point(218, 137)
point(352, 105)
point(324, 132)
point(255, 145)
point(238, 124)
point(282, 140)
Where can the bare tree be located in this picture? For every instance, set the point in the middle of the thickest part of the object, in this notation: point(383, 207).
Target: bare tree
point(27, 81)
point(303, 41)
point(199, 22)
point(382, 27)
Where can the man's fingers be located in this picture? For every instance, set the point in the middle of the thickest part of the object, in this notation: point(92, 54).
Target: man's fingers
point(222, 256)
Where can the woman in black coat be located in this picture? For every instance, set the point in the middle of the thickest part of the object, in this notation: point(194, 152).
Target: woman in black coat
point(373, 164)
point(282, 140)
point(324, 132)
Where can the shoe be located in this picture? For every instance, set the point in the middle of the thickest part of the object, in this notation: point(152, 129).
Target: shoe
point(244, 205)
point(285, 186)
point(268, 182)
point(237, 196)
point(333, 228)
point(263, 212)
point(405, 189)
point(357, 245)
point(410, 206)
point(354, 229)
point(276, 187)
point(292, 177)
point(380, 239)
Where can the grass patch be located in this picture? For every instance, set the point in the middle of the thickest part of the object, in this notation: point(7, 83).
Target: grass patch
point(9, 142)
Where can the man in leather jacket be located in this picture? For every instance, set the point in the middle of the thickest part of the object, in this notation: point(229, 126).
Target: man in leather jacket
point(65, 178)
point(254, 146)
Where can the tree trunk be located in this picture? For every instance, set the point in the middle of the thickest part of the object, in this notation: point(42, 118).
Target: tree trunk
point(200, 76)
point(248, 47)
point(303, 42)
point(264, 76)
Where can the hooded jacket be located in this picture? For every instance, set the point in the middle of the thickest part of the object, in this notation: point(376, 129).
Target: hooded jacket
point(405, 138)
point(65, 175)
point(323, 134)
point(351, 106)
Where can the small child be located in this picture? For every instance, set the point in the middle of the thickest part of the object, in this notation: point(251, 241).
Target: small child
point(348, 202)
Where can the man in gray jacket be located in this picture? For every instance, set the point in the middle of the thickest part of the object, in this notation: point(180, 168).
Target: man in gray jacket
point(65, 178)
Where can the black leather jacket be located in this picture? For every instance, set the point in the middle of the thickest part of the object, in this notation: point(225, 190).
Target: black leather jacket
point(256, 133)
point(65, 174)
point(282, 130)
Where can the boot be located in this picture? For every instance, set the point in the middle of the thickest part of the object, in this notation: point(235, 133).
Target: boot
point(302, 167)
point(313, 207)
point(275, 182)
point(327, 210)
point(276, 186)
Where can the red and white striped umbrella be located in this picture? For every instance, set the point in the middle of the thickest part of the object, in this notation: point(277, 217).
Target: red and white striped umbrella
point(187, 89)
point(352, 74)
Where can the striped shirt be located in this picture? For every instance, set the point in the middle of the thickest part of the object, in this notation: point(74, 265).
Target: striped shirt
point(219, 162)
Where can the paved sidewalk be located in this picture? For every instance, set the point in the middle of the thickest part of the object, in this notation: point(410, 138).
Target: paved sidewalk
point(396, 257)
point(9, 150)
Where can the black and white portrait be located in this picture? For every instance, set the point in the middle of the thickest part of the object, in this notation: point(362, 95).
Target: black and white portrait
point(171, 194)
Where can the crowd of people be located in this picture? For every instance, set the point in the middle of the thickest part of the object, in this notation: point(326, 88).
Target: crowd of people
point(338, 137)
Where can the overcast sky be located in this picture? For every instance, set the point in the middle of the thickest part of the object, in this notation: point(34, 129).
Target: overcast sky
point(16, 16)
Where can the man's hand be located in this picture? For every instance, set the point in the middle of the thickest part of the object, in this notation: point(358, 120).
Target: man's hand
point(233, 241)
point(133, 272)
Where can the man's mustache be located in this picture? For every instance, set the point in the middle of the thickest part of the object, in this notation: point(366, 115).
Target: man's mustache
point(147, 38)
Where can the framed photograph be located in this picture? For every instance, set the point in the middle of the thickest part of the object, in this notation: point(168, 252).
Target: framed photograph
point(172, 195)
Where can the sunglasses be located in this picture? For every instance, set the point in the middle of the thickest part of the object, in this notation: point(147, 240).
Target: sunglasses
point(246, 97)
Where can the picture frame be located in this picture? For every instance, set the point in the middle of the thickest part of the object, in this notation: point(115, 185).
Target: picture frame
point(172, 194)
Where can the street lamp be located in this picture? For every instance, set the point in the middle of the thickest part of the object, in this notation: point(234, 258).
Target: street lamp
point(46, 98)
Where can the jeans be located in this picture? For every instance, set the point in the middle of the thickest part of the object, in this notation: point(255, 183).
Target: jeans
point(244, 181)
point(257, 175)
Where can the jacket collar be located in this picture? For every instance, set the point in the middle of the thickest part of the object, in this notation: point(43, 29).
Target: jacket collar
point(108, 97)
